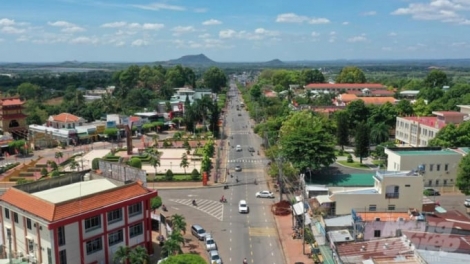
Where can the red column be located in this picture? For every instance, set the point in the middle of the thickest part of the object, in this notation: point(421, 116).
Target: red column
point(105, 237)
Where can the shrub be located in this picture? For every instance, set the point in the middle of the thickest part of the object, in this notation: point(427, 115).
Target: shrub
point(155, 202)
point(95, 164)
point(340, 152)
point(169, 175)
point(43, 172)
point(135, 162)
point(55, 174)
point(350, 159)
point(195, 175)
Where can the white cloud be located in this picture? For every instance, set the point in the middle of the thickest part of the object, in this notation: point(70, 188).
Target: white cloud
point(458, 44)
point(369, 13)
point(22, 39)
point(139, 43)
point(205, 35)
point(200, 10)
point(120, 43)
point(447, 11)
point(1, 40)
point(67, 27)
point(345, 23)
point(6, 22)
point(211, 22)
point(160, 6)
point(84, 40)
point(294, 18)
point(179, 30)
point(357, 39)
point(257, 34)
point(315, 34)
point(229, 33)
point(332, 33)
point(114, 24)
point(150, 26)
point(130, 28)
point(12, 30)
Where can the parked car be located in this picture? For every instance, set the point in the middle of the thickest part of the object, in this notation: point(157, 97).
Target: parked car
point(431, 192)
point(214, 257)
point(238, 168)
point(210, 243)
point(242, 207)
point(264, 194)
point(198, 232)
point(238, 148)
point(251, 149)
point(467, 202)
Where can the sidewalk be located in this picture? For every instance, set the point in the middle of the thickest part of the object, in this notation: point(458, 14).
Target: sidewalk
point(292, 248)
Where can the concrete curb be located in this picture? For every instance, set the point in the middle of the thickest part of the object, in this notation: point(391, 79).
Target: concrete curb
point(286, 259)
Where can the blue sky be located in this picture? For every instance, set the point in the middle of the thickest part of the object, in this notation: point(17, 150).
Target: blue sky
point(233, 31)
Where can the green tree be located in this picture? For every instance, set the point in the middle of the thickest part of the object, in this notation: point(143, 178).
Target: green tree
point(185, 259)
point(55, 173)
point(361, 141)
point(74, 165)
point(463, 175)
point(44, 172)
point(404, 108)
point(195, 176)
point(29, 91)
point(206, 163)
point(179, 222)
point(18, 146)
point(111, 132)
point(155, 202)
point(342, 128)
point(436, 78)
point(184, 162)
point(155, 161)
point(420, 108)
point(311, 76)
point(171, 246)
point(95, 163)
point(139, 255)
point(358, 112)
point(379, 133)
point(306, 141)
point(53, 165)
point(169, 175)
point(135, 162)
point(215, 79)
point(121, 255)
point(351, 75)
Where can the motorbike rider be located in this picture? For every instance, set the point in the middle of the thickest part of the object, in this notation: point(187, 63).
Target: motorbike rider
point(245, 261)
point(194, 202)
point(222, 199)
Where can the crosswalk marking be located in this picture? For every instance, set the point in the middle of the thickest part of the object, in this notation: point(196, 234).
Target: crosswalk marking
point(212, 208)
point(247, 160)
point(262, 231)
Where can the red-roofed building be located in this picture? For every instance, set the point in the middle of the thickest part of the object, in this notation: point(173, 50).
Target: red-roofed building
point(13, 119)
point(345, 87)
point(345, 99)
point(441, 241)
point(76, 218)
point(416, 131)
point(65, 120)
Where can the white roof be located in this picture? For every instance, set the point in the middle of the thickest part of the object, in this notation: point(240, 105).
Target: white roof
point(75, 190)
point(316, 188)
point(147, 114)
point(410, 92)
point(343, 221)
point(323, 199)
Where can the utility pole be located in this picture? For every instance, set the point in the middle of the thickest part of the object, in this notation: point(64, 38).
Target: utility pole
point(280, 177)
point(302, 188)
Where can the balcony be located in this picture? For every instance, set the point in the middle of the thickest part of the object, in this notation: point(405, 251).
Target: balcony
point(392, 195)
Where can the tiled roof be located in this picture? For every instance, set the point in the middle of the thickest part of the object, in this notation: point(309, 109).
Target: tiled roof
point(11, 101)
point(450, 219)
point(384, 217)
point(65, 118)
point(430, 121)
point(348, 97)
point(448, 113)
point(54, 212)
point(358, 251)
point(439, 241)
point(345, 86)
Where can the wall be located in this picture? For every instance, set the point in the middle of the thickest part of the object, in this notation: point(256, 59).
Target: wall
point(389, 228)
point(72, 242)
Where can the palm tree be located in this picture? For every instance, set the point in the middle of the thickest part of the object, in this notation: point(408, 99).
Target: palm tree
point(176, 235)
point(139, 255)
point(172, 247)
point(121, 255)
point(58, 155)
point(74, 165)
point(380, 133)
point(184, 162)
point(178, 222)
point(155, 161)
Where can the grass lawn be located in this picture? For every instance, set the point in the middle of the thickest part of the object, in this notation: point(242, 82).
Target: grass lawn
point(379, 162)
point(354, 164)
point(337, 153)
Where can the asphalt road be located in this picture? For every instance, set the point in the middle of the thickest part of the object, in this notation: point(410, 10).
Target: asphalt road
point(252, 236)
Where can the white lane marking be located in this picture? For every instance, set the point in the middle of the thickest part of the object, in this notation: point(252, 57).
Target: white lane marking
point(212, 208)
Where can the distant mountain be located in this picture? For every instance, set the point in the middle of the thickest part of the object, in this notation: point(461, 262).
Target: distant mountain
point(199, 59)
point(274, 62)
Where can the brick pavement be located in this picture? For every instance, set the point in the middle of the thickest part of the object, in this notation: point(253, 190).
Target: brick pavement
point(292, 247)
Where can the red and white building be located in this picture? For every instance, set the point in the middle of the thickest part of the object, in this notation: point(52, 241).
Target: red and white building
point(74, 219)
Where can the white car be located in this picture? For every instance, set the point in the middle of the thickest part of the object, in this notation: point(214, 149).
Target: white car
point(242, 207)
point(210, 243)
point(467, 202)
point(264, 194)
point(214, 257)
point(238, 148)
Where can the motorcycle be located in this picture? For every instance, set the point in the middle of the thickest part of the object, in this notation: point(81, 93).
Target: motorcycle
point(255, 182)
point(223, 200)
point(164, 208)
point(194, 203)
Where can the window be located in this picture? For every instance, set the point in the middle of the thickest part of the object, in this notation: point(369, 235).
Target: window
point(61, 235)
point(136, 230)
point(30, 245)
point(93, 246)
point(446, 167)
point(7, 213)
point(49, 256)
point(372, 207)
point(115, 237)
point(431, 167)
point(28, 223)
point(437, 182)
point(445, 182)
point(391, 207)
point(407, 185)
point(429, 182)
point(376, 233)
point(63, 257)
point(135, 209)
point(15, 217)
point(438, 167)
point(114, 216)
point(92, 223)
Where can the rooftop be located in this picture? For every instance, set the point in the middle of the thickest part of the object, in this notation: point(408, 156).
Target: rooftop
point(449, 220)
point(430, 121)
point(344, 221)
point(65, 117)
point(426, 152)
point(378, 100)
point(439, 241)
point(441, 257)
point(75, 190)
point(345, 86)
point(384, 216)
point(359, 251)
point(340, 236)
point(448, 113)
point(11, 101)
point(362, 191)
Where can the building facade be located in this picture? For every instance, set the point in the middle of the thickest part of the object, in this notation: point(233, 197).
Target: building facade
point(437, 166)
point(417, 131)
point(345, 87)
point(65, 121)
point(86, 218)
point(12, 116)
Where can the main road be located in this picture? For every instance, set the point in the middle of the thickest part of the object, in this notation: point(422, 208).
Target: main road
point(252, 236)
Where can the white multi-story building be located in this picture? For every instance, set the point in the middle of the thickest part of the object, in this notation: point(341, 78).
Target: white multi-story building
point(75, 219)
point(65, 121)
point(437, 166)
point(416, 131)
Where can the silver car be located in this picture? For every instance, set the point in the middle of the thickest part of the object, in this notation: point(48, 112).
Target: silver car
point(210, 243)
point(264, 194)
point(214, 257)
